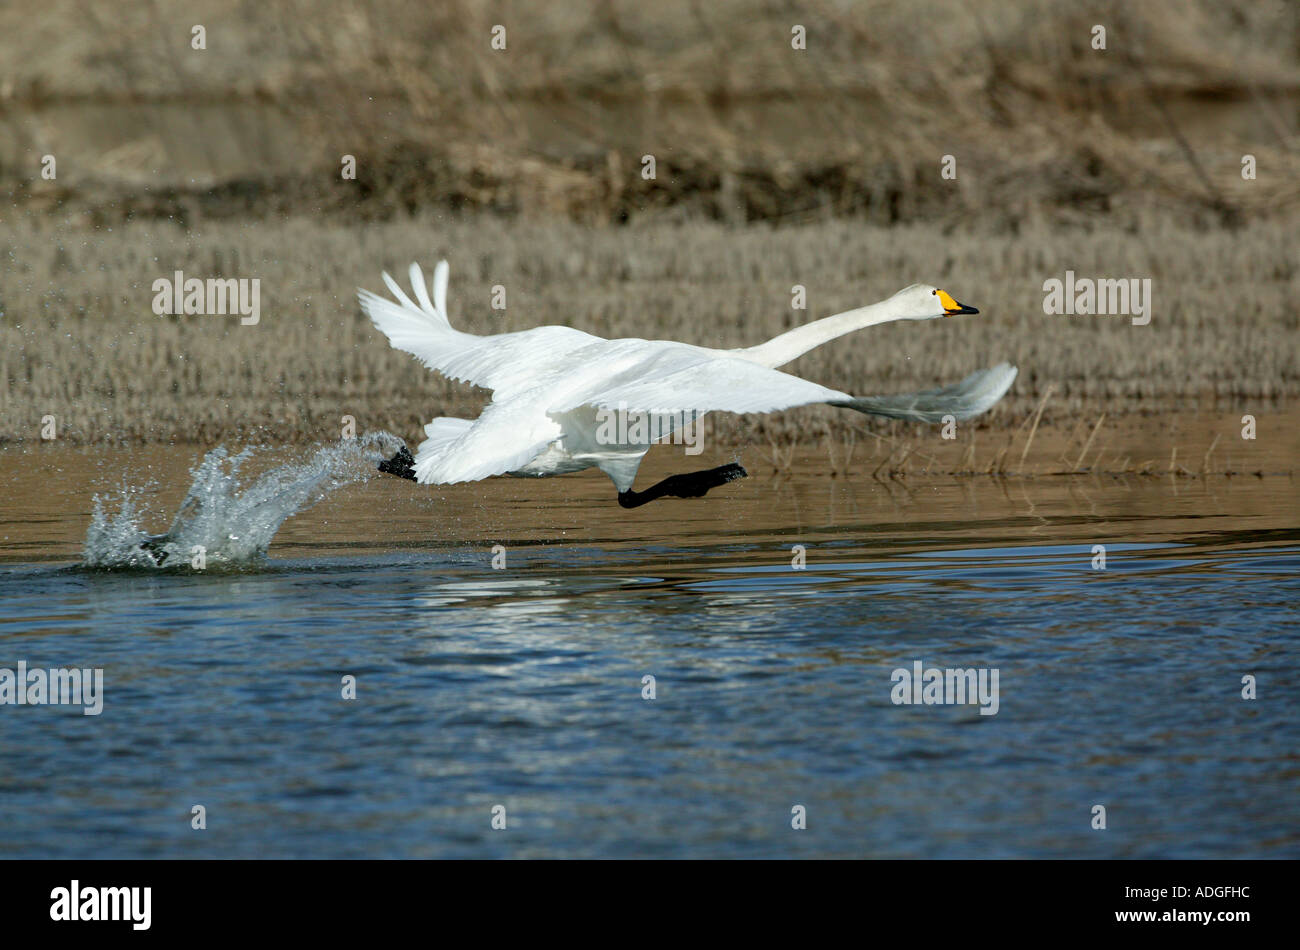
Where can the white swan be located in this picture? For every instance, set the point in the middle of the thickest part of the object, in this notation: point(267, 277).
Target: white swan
point(551, 385)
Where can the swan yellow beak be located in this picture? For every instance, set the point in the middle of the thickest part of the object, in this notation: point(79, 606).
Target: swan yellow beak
point(952, 307)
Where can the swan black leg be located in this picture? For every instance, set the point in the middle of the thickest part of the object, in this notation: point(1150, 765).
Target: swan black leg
point(687, 485)
point(154, 545)
point(402, 465)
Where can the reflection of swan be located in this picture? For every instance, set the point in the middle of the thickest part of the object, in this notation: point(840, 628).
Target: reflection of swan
point(552, 384)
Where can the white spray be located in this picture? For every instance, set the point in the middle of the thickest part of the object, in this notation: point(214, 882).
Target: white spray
point(232, 523)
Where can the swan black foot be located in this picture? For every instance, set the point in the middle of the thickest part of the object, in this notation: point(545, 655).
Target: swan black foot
point(154, 546)
point(687, 485)
point(402, 465)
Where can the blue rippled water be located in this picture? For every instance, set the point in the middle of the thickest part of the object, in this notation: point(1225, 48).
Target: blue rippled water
point(523, 688)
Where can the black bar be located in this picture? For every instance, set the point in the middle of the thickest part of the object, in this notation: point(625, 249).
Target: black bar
point(654, 900)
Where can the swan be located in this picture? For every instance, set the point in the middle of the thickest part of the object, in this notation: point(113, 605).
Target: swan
point(552, 385)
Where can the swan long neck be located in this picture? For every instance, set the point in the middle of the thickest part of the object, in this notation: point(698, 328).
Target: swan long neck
point(794, 343)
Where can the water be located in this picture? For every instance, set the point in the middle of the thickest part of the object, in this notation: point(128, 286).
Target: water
point(223, 521)
point(522, 687)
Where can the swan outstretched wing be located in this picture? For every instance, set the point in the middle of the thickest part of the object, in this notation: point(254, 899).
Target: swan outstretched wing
point(664, 377)
point(675, 377)
point(975, 394)
point(503, 362)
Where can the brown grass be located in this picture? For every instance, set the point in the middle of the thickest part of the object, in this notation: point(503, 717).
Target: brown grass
point(775, 167)
point(78, 339)
point(923, 453)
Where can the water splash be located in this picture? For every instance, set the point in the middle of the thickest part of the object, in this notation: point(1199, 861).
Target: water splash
point(231, 522)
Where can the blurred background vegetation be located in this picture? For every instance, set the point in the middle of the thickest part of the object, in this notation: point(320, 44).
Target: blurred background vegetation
point(774, 166)
point(743, 127)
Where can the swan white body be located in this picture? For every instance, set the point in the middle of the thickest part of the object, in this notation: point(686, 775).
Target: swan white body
point(549, 384)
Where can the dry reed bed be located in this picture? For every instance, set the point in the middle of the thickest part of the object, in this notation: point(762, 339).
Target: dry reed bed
point(79, 341)
point(1175, 447)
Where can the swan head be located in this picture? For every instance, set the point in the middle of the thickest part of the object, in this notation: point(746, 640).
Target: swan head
point(924, 302)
